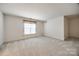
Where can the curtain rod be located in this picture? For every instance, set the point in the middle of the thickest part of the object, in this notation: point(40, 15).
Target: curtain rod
point(33, 20)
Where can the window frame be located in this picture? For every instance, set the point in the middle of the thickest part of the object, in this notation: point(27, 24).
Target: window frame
point(29, 23)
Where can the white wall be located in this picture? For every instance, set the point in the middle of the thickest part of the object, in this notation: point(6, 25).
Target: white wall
point(55, 28)
point(14, 28)
point(1, 28)
point(70, 8)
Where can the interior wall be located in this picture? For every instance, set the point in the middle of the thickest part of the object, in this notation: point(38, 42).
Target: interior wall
point(71, 26)
point(1, 28)
point(55, 28)
point(71, 8)
point(14, 29)
point(66, 27)
point(74, 27)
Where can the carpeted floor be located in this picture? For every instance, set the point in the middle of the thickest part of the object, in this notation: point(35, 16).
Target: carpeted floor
point(40, 46)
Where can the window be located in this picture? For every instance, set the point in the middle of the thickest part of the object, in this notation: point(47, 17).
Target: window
point(29, 28)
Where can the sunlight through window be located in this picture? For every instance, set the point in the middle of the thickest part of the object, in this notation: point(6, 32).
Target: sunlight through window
point(29, 28)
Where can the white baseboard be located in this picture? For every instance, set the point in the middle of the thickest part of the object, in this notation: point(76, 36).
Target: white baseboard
point(52, 37)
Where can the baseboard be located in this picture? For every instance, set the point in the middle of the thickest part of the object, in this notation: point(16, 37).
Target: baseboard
point(74, 37)
point(52, 37)
point(21, 39)
point(66, 38)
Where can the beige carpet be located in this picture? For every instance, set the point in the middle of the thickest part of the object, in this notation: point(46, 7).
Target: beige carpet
point(40, 46)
